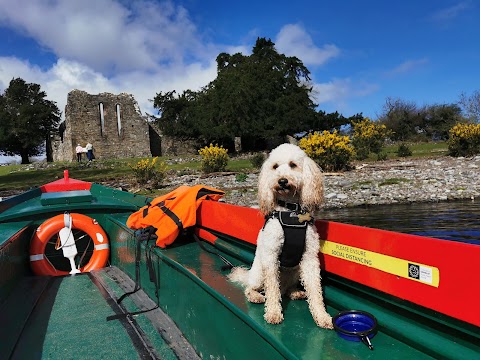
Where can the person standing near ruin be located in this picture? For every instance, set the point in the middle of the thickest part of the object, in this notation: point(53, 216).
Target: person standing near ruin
point(79, 151)
point(89, 148)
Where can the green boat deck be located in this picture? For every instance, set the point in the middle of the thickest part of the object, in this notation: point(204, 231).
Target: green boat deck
point(66, 317)
point(208, 316)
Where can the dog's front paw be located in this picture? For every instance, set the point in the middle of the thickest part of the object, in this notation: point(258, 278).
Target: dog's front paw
point(254, 296)
point(324, 321)
point(297, 295)
point(273, 317)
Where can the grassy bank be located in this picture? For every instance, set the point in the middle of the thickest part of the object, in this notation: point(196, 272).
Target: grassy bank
point(419, 150)
point(24, 177)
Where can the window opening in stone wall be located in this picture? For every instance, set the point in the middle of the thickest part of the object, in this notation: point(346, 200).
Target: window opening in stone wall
point(119, 120)
point(102, 119)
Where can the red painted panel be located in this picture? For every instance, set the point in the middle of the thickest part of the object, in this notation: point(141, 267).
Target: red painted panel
point(238, 221)
point(457, 262)
point(65, 184)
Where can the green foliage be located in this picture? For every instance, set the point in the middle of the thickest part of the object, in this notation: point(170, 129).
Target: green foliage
point(369, 136)
point(332, 121)
point(148, 170)
point(381, 156)
point(464, 140)
point(177, 113)
point(241, 177)
point(404, 151)
point(26, 119)
point(257, 160)
point(439, 119)
point(330, 150)
point(401, 117)
point(410, 122)
point(214, 158)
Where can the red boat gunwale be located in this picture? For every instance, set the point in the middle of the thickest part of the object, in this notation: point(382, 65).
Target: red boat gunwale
point(456, 262)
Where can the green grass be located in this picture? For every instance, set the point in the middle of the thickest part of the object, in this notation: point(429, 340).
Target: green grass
point(22, 177)
point(419, 150)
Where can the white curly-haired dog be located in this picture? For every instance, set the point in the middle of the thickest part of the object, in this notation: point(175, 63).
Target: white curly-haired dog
point(290, 187)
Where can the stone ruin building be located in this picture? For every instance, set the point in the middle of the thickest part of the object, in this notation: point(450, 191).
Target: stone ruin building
point(113, 124)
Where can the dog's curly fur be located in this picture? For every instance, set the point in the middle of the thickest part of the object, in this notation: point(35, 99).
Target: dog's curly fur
point(288, 174)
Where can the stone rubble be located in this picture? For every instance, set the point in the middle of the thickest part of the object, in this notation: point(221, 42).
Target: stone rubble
point(386, 182)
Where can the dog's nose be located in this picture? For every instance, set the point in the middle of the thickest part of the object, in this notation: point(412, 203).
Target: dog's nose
point(283, 182)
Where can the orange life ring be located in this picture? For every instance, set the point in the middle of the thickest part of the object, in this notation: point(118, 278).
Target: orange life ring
point(38, 260)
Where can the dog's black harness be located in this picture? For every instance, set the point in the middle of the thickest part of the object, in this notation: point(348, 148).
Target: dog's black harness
point(294, 224)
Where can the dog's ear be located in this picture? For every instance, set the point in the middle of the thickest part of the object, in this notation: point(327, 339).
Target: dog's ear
point(312, 191)
point(266, 199)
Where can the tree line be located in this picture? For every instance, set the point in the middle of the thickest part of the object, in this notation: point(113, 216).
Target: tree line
point(257, 97)
point(268, 95)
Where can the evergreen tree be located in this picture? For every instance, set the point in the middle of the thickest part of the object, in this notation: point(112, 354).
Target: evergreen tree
point(26, 119)
point(256, 97)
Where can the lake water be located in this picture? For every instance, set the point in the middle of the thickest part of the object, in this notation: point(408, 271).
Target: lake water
point(453, 220)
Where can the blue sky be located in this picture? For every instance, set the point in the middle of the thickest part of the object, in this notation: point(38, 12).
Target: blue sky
point(359, 52)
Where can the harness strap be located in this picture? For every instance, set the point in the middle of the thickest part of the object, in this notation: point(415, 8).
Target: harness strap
point(145, 211)
point(290, 206)
point(171, 215)
point(294, 228)
point(293, 246)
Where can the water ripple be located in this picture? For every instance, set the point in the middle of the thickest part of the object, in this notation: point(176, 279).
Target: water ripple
point(455, 220)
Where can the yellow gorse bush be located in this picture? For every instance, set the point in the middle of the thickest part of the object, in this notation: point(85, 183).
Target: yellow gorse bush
point(331, 151)
point(149, 170)
point(368, 129)
point(464, 139)
point(214, 158)
point(369, 136)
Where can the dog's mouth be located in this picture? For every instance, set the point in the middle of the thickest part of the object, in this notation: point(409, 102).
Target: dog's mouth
point(284, 189)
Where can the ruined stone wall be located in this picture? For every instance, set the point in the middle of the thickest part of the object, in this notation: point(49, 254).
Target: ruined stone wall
point(172, 146)
point(111, 137)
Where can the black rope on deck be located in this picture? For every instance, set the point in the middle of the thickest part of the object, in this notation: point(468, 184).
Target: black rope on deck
point(140, 342)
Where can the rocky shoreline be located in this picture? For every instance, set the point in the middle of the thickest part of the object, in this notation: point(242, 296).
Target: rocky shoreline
point(383, 182)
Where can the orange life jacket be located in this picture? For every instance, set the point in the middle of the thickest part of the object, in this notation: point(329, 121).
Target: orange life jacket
point(173, 212)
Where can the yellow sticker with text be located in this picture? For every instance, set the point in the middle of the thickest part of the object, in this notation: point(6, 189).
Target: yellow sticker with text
point(411, 270)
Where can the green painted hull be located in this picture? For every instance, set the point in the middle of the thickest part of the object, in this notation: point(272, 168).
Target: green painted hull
point(66, 317)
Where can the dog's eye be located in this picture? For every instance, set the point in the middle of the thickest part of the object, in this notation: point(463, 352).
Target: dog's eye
point(275, 166)
point(292, 165)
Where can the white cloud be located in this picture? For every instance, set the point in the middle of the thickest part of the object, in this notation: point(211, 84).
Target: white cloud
point(407, 66)
point(293, 40)
point(104, 34)
point(104, 46)
point(451, 12)
point(339, 91)
point(65, 76)
point(11, 67)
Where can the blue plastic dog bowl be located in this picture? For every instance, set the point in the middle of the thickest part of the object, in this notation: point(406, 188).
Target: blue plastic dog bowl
point(356, 325)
